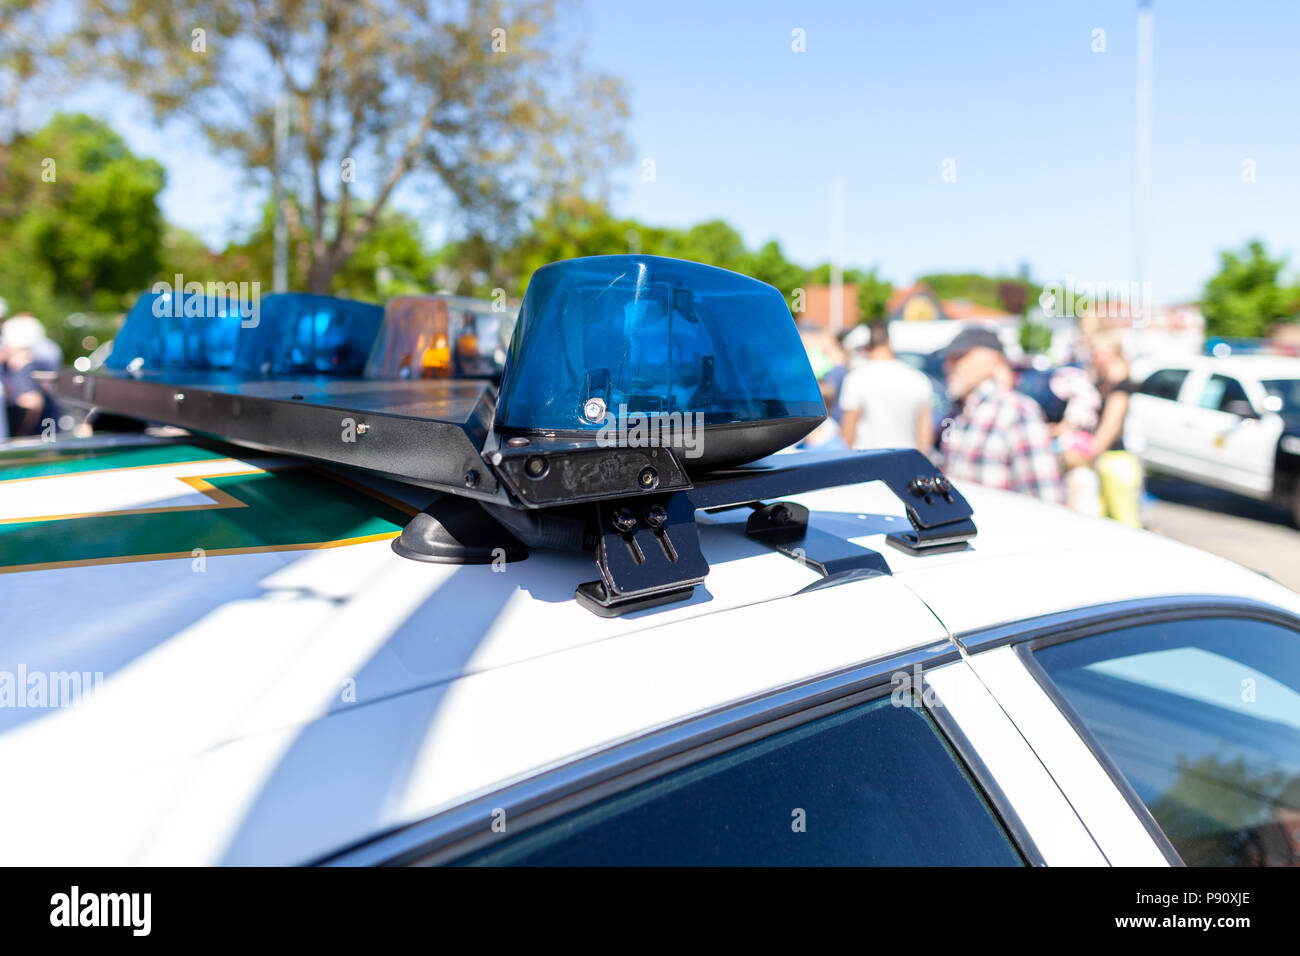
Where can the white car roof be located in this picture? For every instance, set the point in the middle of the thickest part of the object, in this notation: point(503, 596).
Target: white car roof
point(226, 734)
point(1265, 367)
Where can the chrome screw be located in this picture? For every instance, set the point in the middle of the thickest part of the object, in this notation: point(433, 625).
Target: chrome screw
point(921, 486)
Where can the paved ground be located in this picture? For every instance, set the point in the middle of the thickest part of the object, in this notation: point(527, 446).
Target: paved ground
point(1254, 534)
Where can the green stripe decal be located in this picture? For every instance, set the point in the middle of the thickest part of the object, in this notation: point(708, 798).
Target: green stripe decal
point(294, 508)
point(56, 462)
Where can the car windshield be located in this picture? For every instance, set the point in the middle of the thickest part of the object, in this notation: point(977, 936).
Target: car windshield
point(1288, 390)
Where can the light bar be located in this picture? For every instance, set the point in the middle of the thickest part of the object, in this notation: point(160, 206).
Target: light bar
point(285, 334)
point(577, 452)
point(628, 348)
point(299, 334)
point(441, 336)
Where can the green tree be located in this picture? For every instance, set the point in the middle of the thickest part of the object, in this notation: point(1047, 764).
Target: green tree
point(391, 260)
point(568, 228)
point(22, 51)
point(88, 220)
point(821, 275)
point(714, 243)
point(1009, 293)
point(486, 105)
point(80, 228)
point(873, 296)
point(185, 253)
point(1035, 338)
point(769, 264)
point(1245, 297)
point(574, 226)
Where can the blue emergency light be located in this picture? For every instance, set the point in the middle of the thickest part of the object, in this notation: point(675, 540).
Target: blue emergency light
point(179, 331)
point(300, 334)
point(635, 348)
point(280, 336)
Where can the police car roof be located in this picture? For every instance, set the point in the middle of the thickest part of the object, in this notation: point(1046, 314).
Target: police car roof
point(283, 706)
point(1265, 367)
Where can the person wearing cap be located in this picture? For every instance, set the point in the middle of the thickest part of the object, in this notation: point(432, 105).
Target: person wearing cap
point(885, 402)
point(999, 437)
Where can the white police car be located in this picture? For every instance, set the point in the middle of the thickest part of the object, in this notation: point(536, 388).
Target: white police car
point(1230, 422)
point(502, 631)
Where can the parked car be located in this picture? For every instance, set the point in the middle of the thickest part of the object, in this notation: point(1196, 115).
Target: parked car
point(1231, 423)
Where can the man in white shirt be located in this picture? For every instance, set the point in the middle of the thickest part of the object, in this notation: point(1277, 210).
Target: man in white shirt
point(886, 402)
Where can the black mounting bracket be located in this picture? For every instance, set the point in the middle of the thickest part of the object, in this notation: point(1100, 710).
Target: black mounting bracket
point(939, 515)
point(647, 546)
point(783, 526)
point(507, 494)
point(648, 553)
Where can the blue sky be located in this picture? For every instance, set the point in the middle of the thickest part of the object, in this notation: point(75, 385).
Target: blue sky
point(1040, 129)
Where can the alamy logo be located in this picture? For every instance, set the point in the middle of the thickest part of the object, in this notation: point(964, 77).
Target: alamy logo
point(102, 909)
point(195, 300)
point(1077, 298)
point(680, 430)
point(39, 689)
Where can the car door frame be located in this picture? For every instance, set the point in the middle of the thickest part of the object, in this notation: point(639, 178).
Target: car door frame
point(1004, 658)
point(1242, 451)
point(1148, 429)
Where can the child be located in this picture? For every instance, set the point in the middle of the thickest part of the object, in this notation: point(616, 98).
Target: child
point(1074, 439)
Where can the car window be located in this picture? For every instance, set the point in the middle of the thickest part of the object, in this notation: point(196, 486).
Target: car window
point(875, 784)
point(1287, 391)
point(1165, 383)
point(1220, 391)
point(1202, 717)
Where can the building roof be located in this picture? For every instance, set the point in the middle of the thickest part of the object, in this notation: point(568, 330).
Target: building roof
point(817, 305)
point(902, 293)
point(964, 309)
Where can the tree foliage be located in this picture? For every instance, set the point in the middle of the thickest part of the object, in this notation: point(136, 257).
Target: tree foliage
point(574, 226)
point(1009, 293)
point(1246, 296)
point(488, 105)
point(392, 259)
point(80, 226)
point(873, 297)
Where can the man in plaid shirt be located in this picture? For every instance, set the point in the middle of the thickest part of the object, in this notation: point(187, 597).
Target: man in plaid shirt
point(1000, 437)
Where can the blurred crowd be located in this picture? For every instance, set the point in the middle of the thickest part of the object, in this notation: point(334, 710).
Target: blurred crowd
point(25, 352)
point(1056, 434)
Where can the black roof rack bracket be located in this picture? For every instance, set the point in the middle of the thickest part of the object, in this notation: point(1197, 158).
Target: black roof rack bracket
point(939, 515)
point(935, 541)
point(648, 553)
point(538, 490)
point(783, 526)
